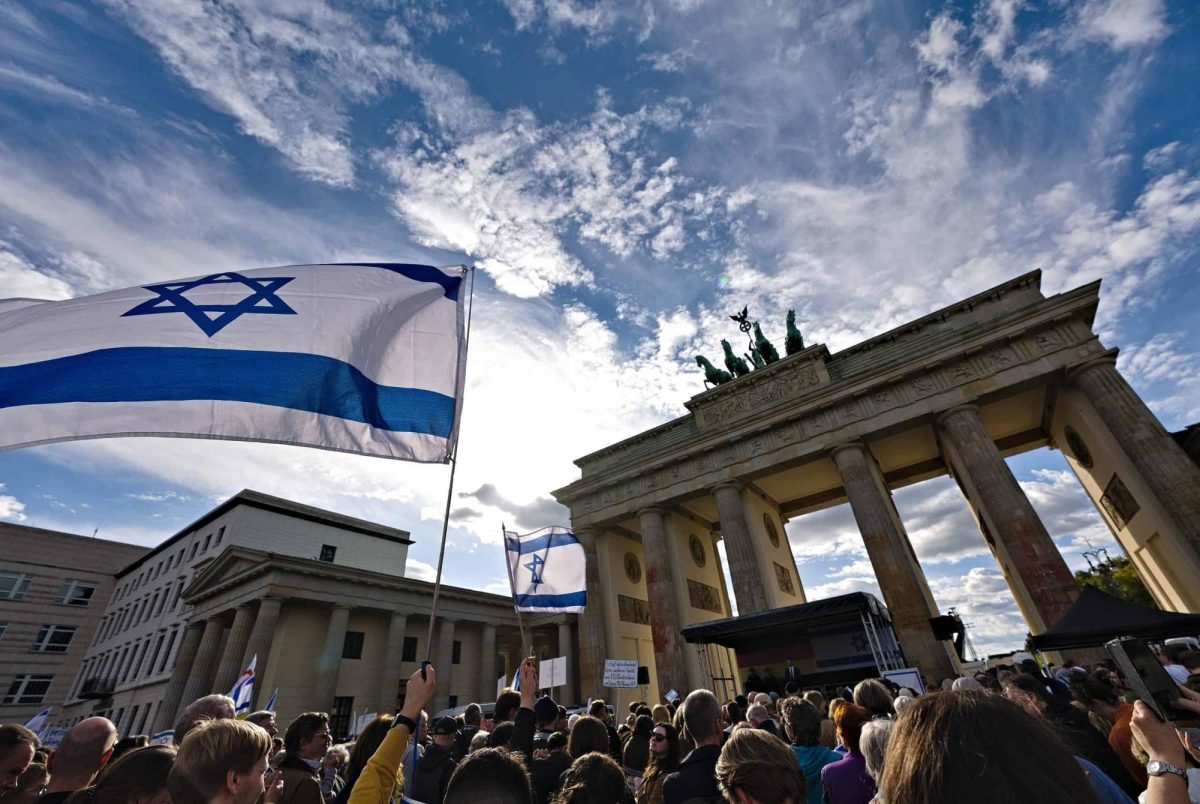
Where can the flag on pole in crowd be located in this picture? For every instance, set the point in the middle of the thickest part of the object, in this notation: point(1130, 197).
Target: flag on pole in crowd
point(547, 569)
point(365, 358)
point(270, 707)
point(38, 722)
point(243, 691)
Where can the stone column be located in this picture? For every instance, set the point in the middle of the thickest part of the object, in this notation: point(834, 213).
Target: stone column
point(173, 695)
point(593, 644)
point(443, 663)
point(389, 678)
point(567, 695)
point(200, 671)
point(487, 663)
point(744, 569)
point(1032, 565)
point(1163, 465)
point(330, 662)
point(670, 660)
point(262, 633)
point(901, 580)
point(230, 669)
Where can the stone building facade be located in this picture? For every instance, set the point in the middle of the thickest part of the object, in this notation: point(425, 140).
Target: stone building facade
point(320, 598)
point(953, 392)
point(53, 589)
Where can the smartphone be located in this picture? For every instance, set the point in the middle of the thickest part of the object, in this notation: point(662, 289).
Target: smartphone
point(1148, 679)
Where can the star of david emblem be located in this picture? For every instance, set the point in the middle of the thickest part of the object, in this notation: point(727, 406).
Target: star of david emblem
point(535, 571)
point(212, 318)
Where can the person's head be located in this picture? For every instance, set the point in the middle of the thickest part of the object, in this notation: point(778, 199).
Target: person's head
point(444, 731)
point(757, 714)
point(589, 734)
point(599, 710)
point(873, 696)
point(964, 683)
point(1172, 653)
point(733, 712)
point(307, 736)
point(507, 704)
point(220, 761)
point(664, 748)
point(835, 705)
point(17, 745)
point(30, 785)
point(872, 742)
point(264, 719)
point(593, 778)
point(127, 744)
point(642, 726)
point(950, 747)
point(556, 742)
point(762, 698)
point(815, 698)
point(802, 722)
point(1190, 659)
point(755, 766)
point(489, 776)
point(1027, 692)
point(81, 754)
point(365, 744)
point(473, 715)
point(660, 714)
point(501, 736)
point(210, 707)
point(702, 717)
point(545, 713)
point(790, 689)
point(849, 721)
point(901, 701)
point(138, 776)
point(1097, 696)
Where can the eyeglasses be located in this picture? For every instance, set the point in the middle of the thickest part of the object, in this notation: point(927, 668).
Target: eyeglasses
point(656, 736)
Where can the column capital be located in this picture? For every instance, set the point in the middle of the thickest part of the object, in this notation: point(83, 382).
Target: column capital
point(652, 509)
point(345, 606)
point(946, 415)
point(727, 484)
point(1104, 359)
point(855, 446)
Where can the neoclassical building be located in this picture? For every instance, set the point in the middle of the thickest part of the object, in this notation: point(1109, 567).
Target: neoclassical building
point(954, 392)
point(318, 597)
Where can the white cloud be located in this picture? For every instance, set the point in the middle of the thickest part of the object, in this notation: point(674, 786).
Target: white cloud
point(11, 507)
point(20, 279)
point(419, 570)
point(1123, 24)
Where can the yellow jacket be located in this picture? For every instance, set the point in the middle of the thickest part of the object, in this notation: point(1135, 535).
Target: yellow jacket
point(374, 784)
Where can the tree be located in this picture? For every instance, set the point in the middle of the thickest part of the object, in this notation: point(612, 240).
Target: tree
point(1118, 577)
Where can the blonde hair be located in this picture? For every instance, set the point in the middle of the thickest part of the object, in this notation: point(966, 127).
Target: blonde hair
point(211, 749)
point(762, 765)
point(661, 714)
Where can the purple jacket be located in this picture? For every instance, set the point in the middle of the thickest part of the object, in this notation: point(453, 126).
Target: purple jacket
point(847, 782)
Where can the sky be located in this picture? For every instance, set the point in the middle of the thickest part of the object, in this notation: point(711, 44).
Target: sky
point(623, 173)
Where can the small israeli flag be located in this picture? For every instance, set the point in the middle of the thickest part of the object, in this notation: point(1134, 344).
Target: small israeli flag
point(365, 358)
point(548, 570)
point(270, 707)
point(38, 722)
point(243, 691)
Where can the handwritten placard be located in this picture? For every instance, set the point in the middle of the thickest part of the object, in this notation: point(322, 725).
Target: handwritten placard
point(620, 673)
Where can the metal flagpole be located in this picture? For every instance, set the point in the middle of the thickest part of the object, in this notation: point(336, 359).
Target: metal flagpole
point(512, 586)
point(437, 583)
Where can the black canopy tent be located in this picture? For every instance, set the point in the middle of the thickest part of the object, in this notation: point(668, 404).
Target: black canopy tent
point(1096, 617)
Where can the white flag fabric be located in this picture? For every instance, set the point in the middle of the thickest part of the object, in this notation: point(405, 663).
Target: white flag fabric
point(548, 570)
point(364, 358)
point(38, 722)
point(243, 691)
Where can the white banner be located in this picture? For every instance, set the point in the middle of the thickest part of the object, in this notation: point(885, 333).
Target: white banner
point(552, 672)
point(364, 358)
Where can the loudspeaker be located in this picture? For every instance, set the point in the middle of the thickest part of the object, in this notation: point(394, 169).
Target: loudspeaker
point(643, 675)
point(944, 627)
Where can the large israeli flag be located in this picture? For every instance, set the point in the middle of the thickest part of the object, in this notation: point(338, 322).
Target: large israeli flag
point(548, 570)
point(243, 691)
point(364, 357)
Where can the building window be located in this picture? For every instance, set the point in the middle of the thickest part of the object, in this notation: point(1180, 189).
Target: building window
point(54, 638)
point(352, 647)
point(456, 653)
point(13, 585)
point(28, 690)
point(339, 716)
point(162, 665)
point(207, 541)
point(75, 593)
point(3, 628)
point(328, 551)
point(192, 554)
point(409, 652)
point(161, 602)
point(220, 534)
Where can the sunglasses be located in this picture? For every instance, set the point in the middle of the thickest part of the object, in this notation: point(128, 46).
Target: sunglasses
point(657, 736)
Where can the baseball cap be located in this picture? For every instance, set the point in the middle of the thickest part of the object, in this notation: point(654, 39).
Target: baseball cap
point(445, 725)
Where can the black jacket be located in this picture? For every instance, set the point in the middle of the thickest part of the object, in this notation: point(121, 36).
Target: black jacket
point(433, 774)
point(546, 773)
point(696, 779)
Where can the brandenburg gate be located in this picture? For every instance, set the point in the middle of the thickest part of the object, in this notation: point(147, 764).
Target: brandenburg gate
point(997, 374)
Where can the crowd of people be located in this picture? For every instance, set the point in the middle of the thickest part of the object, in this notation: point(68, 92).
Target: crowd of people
point(1016, 733)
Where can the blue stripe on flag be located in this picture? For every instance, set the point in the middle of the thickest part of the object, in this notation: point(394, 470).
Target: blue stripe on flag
point(556, 601)
point(541, 543)
point(421, 273)
point(307, 382)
